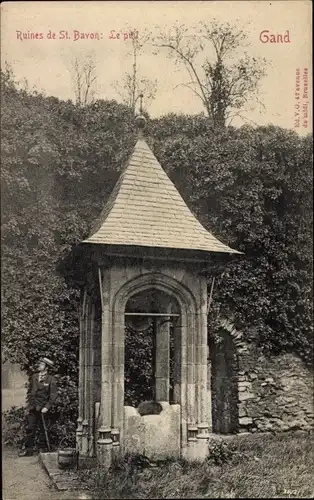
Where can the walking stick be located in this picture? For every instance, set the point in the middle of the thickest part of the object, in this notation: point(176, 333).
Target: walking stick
point(46, 432)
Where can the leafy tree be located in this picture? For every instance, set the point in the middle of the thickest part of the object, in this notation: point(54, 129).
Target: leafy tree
point(220, 73)
point(55, 164)
point(251, 187)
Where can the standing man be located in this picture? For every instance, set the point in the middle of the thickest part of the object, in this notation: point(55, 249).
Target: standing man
point(42, 395)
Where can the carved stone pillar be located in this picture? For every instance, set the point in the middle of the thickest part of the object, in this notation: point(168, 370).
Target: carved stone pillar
point(85, 438)
point(177, 363)
point(209, 392)
point(104, 442)
point(104, 448)
point(191, 387)
point(81, 385)
point(88, 414)
point(115, 436)
point(79, 435)
point(202, 423)
point(91, 377)
point(181, 369)
point(117, 416)
point(162, 359)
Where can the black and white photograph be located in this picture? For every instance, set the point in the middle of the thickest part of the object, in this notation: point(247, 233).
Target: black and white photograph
point(156, 249)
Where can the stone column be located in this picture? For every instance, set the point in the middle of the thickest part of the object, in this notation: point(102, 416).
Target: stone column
point(177, 362)
point(104, 448)
point(90, 371)
point(85, 438)
point(79, 435)
point(81, 391)
point(180, 387)
point(162, 359)
point(87, 376)
point(180, 332)
point(104, 442)
point(191, 388)
point(203, 385)
point(209, 391)
point(97, 369)
point(117, 417)
point(202, 424)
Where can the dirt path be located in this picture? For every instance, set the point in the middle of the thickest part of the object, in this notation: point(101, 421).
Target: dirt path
point(24, 479)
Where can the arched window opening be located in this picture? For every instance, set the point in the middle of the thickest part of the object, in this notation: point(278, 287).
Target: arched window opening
point(149, 346)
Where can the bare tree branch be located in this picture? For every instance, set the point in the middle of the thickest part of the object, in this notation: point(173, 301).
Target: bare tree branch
point(190, 66)
point(187, 85)
point(133, 85)
point(83, 72)
point(223, 81)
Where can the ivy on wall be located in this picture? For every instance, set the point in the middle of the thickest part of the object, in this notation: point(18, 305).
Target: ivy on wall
point(252, 188)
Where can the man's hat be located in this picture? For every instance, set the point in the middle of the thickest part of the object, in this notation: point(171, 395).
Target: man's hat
point(47, 361)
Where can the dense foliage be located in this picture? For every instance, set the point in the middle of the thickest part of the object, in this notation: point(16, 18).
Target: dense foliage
point(222, 74)
point(251, 187)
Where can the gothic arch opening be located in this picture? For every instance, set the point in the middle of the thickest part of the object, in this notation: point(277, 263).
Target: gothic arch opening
point(224, 383)
point(150, 317)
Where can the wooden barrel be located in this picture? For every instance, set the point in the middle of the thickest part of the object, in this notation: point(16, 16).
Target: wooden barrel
point(66, 458)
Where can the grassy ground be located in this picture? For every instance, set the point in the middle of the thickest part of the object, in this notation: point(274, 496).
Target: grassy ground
point(258, 466)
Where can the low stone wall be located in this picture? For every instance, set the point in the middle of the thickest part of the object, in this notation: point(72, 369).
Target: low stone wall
point(275, 394)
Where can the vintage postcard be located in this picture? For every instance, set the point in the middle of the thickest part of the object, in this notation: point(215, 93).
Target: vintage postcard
point(156, 200)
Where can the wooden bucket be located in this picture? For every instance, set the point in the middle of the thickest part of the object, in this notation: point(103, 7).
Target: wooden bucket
point(66, 457)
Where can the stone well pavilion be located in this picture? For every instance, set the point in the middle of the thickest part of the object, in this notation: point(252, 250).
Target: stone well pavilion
point(145, 258)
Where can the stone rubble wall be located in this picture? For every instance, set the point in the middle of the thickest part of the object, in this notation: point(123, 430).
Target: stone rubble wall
point(274, 394)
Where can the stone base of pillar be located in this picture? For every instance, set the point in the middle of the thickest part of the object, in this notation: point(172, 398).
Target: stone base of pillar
point(104, 449)
point(86, 438)
point(91, 446)
point(195, 451)
point(79, 435)
point(190, 451)
point(116, 449)
point(202, 440)
point(197, 443)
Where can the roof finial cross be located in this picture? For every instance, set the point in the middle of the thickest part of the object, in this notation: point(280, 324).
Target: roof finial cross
point(140, 119)
point(141, 103)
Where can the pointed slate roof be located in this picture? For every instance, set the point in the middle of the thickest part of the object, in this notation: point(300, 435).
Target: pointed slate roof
point(145, 209)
